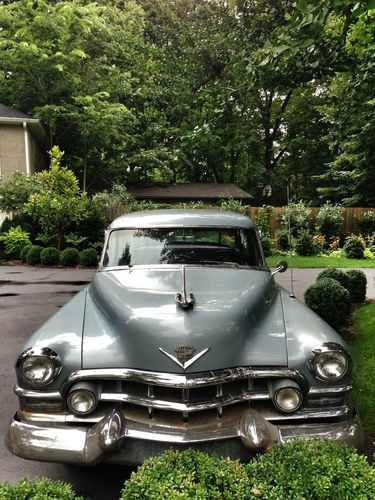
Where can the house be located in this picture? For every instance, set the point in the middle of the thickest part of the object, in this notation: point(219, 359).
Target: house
point(23, 142)
point(194, 191)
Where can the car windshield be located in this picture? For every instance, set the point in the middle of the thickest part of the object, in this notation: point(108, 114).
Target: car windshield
point(206, 246)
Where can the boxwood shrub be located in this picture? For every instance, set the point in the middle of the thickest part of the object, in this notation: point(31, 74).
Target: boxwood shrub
point(33, 255)
point(295, 470)
point(335, 274)
point(88, 257)
point(187, 475)
point(311, 470)
point(50, 256)
point(357, 283)
point(354, 248)
point(69, 257)
point(24, 251)
point(330, 300)
point(305, 244)
point(38, 489)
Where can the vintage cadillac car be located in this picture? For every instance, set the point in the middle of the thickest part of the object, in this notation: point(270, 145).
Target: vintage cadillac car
point(183, 339)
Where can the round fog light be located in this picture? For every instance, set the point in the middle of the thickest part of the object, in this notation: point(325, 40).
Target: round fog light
point(81, 401)
point(288, 399)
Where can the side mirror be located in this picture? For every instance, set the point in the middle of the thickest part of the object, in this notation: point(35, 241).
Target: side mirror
point(281, 267)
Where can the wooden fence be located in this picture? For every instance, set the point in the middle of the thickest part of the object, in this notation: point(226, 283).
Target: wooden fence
point(350, 214)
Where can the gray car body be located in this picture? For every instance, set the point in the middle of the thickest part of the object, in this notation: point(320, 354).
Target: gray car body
point(128, 318)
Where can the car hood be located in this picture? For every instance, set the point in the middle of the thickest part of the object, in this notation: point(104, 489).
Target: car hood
point(132, 313)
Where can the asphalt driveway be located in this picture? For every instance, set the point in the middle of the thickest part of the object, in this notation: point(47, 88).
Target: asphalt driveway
point(28, 297)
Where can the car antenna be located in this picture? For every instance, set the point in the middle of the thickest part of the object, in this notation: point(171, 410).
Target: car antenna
point(290, 244)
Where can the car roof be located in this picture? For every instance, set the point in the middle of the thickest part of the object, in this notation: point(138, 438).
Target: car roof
point(182, 218)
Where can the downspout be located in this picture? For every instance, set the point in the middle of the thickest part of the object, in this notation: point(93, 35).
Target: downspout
point(27, 158)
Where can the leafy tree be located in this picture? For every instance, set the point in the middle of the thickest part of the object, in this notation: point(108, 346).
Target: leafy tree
point(15, 190)
point(57, 202)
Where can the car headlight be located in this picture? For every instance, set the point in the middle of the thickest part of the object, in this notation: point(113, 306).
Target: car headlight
point(39, 367)
point(82, 399)
point(330, 362)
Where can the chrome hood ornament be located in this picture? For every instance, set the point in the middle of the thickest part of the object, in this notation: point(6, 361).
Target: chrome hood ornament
point(185, 356)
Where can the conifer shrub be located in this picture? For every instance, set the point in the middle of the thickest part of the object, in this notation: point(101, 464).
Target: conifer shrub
point(282, 238)
point(50, 256)
point(366, 222)
point(69, 257)
point(266, 244)
point(354, 248)
point(33, 255)
point(357, 284)
point(330, 300)
point(88, 257)
point(305, 244)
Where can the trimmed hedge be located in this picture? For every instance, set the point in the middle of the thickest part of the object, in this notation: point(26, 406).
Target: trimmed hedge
point(88, 257)
point(305, 244)
point(69, 257)
point(38, 489)
point(187, 475)
point(33, 255)
point(50, 256)
point(335, 274)
point(357, 283)
point(354, 248)
point(24, 251)
point(295, 470)
point(312, 470)
point(330, 300)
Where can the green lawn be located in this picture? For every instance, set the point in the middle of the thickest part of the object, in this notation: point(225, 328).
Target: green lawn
point(302, 262)
point(363, 351)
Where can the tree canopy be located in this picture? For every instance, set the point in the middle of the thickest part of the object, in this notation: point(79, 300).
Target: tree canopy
point(246, 91)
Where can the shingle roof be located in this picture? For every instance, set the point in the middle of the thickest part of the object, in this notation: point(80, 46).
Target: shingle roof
point(7, 112)
point(190, 191)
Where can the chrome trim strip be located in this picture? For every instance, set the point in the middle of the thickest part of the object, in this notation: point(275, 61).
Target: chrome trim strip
point(39, 395)
point(326, 391)
point(342, 411)
point(185, 407)
point(183, 381)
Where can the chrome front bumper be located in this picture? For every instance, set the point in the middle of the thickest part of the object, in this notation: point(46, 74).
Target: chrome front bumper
point(117, 440)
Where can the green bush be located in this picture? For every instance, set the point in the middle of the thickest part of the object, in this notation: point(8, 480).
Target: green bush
point(335, 274)
point(282, 238)
point(187, 475)
point(262, 220)
point(24, 251)
point(69, 257)
point(88, 257)
point(357, 285)
point(33, 255)
point(330, 300)
point(299, 216)
point(329, 221)
point(305, 244)
point(311, 470)
point(14, 240)
point(266, 244)
point(354, 248)
point(50, 256)
point(366, 223)
point(38, 489)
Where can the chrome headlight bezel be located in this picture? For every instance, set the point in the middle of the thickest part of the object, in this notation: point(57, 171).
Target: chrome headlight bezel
point(53, 365)
point(327, 352)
